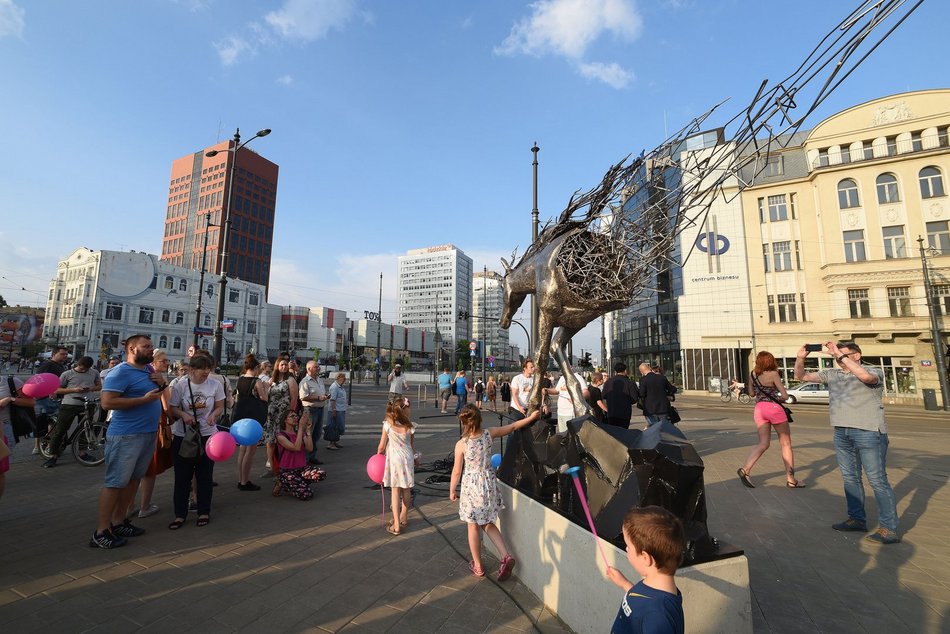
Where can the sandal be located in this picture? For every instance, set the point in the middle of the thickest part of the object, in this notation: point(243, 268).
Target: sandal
point(276, 490)
point(478, 572)
point(391, 530)
point(203, 521)
point(507, 565)
point(795, 484)
point(174, 526)
point(744, 476)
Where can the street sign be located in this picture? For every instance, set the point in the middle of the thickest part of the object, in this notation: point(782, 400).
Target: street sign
point(926, 363)
point(472, 352)
point(472, 346)
point(227, 323)
point(204, 332)
point(491, 358)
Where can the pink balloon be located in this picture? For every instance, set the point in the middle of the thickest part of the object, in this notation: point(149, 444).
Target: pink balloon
point(375, 467)
point(41, 385)
point(220, 446)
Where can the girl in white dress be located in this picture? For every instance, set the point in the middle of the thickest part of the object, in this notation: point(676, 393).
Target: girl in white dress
point(480, 499)
point(398, 443)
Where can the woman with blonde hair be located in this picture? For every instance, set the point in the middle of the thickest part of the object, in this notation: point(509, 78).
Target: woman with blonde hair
point(768, 391)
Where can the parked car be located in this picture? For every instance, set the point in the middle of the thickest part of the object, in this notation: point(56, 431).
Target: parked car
point(808, 393)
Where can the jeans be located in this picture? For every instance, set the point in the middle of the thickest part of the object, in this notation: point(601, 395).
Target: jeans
point(316, 417)
point(65, 417)
point(462, 399)
point(857, 448)
point(653, 419)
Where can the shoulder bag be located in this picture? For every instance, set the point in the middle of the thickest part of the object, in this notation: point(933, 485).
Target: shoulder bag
point(755, 381)
point(191, 447)
point(22, 419)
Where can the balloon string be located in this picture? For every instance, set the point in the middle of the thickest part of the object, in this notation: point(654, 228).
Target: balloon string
point(590, 520)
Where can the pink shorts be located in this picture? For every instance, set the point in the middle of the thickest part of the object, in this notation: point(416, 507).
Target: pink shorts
point(767, 412)
point(5, 463)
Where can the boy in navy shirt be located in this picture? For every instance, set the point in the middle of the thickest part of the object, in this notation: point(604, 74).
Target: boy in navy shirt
point(655, 543)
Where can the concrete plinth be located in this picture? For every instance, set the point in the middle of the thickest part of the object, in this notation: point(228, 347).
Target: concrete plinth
point(560, 563)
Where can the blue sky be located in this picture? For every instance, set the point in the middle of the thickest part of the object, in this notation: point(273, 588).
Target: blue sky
point(396, 125)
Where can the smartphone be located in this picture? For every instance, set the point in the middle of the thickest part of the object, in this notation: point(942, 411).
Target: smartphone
point(813, 347)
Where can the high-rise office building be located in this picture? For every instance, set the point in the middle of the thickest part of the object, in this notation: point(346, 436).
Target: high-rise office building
point(488, 300)
point(435, 283)
point(197, 198)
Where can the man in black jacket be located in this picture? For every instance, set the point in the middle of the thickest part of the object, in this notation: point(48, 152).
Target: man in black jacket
point(620, 394)
point(656, 393)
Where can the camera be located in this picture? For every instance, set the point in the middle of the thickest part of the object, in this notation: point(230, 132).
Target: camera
point(813, 347)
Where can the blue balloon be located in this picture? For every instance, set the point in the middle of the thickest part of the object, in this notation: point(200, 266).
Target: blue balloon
point(496, 460)
point(247, 431)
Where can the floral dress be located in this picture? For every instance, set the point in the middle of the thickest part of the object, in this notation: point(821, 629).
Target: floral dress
point(480, 500)
point(278, 404)
point(400, 458)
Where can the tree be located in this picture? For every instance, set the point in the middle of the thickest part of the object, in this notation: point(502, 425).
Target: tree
point(3, 302)
point(461, 354)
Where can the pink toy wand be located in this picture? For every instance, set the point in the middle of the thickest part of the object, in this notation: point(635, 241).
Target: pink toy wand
point(573, 472)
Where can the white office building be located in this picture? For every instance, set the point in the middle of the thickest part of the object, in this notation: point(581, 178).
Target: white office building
point(488, 299)
point(435, 283)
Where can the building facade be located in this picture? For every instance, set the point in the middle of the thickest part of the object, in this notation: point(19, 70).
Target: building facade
point(488, 299)
point(434, 286)
point(197, 198)
point(99, 298)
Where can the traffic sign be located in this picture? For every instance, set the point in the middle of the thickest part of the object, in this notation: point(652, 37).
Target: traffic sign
point(227, 323)
point(472, 352)
point(205, 332)
point(472, 346)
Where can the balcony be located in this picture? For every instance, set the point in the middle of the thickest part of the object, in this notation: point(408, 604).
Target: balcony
point(899, 148)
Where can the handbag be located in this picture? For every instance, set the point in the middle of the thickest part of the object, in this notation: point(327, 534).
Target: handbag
point(674, 415)
point(22, 419)
point(331, 433)
point(788, 412)
point(191, 447)
point(165, 437)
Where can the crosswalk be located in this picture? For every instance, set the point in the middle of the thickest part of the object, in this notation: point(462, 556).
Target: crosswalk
point(366, 422)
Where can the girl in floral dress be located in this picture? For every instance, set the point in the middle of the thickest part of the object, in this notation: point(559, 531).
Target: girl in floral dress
point(281, 398)
point(398, 443)
point(480, 500)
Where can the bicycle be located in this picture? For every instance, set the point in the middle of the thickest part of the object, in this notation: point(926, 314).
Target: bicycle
point(86, 436)
point(742, 397)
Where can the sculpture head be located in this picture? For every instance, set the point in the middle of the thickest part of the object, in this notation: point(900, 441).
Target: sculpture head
point(513, 300)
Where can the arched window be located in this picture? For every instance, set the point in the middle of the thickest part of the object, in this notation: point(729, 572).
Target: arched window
point(163, 342)
point(848, 194)
point(207, 320)
point(166, 315)
point(887, 191)
point(176, 343)
point(931, 182)
point(179, 317)
point(210, 290)
point(183, 284)
point(169, 283)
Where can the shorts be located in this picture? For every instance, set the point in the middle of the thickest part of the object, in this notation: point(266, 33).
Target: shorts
point(767, 412)
point(127, 458)
point(446, 393)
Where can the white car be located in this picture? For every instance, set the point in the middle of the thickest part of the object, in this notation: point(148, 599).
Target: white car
point(808, 393)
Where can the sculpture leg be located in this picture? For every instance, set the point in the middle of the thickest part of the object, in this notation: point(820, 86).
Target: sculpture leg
point(558, 344)
point(545, 328)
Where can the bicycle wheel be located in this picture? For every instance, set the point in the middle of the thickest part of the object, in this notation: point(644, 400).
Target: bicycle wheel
point(725, 397)
point(89, 445)
point(745, 399)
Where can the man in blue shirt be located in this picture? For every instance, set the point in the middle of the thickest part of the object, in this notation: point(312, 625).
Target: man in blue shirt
point(132, 391)
point(445, 389)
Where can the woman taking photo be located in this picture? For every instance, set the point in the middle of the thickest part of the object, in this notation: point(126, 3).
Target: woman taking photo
point(766, 388)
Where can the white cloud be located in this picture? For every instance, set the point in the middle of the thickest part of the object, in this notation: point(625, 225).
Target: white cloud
point(285, 80)
point(611, 74)
point(231, 48)
point(309, 20)
point(12, 19)
point(567, 28)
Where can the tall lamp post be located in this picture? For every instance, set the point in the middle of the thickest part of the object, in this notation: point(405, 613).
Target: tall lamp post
point(935, 329)
point(535, 309)
point(201, 279)
point(226, 237)
point(379, 331)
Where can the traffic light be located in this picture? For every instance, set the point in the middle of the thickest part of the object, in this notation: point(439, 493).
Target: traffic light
point(463, 314)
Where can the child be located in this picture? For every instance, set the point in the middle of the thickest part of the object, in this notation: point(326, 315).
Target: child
point(480, 499)
point(655, 543)
point(398, 443)
point(292, 448)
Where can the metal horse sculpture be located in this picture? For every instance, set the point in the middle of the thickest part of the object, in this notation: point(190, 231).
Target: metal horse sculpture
point(607, 244)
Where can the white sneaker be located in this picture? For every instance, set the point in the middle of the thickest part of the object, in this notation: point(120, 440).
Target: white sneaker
point(149, 511)
point(268, 465)
point(36, 451)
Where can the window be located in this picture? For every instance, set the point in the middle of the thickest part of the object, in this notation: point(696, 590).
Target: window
point(848, 194)
point(209, 290)
point(765, 256)
point(183, 284)
point(894, 243)
point(774, 166)
point(179, 317)
point(163, 342)
point(859, 303)
point(146, 315)
point(854, 250)
point(252, 299)
point(778, 208)
point(252, 327)
point(176, 343)
point(207, 321)
point(114, 310)
point(166, 316)
point(898, 301)
point(938, 236)
point(782, 255)
point(786, 309)
point(169, 283)
point(234, 295)
point(941, 299)
point(887, 189)
point(931, 182)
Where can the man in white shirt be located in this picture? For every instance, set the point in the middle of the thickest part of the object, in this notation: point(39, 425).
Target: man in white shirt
point(313, 395)
point(565, 405)
point(398, 385)
point(521, 387)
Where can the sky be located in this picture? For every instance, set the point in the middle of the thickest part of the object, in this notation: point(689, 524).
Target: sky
point(396, 125)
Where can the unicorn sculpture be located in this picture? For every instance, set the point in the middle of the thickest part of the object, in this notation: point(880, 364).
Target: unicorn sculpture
point(608, 244)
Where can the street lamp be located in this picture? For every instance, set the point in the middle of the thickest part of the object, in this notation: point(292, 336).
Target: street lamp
point(201, 279)
point(226, 236)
